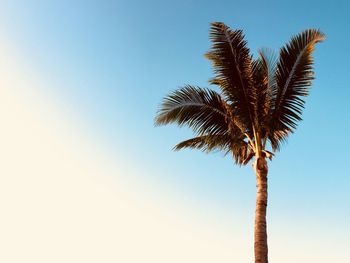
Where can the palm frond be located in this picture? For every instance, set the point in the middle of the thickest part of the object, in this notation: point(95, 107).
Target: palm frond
point(264, 69)
point(232, 64)
point(206, 143)
point(239, 149)
point(203, 110)
point(293, 76)
point(269, 59)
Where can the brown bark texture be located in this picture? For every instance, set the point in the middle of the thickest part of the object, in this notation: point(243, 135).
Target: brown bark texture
point(260, 231)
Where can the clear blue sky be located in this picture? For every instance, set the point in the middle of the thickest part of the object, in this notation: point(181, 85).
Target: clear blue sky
point(113, 61)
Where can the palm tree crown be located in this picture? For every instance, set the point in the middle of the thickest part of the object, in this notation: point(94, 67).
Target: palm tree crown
point(261, 99)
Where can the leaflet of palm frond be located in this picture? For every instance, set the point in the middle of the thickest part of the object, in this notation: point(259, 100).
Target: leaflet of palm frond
point(293, 77)
point(232, 65)
point(203, 110)
point(206, 143)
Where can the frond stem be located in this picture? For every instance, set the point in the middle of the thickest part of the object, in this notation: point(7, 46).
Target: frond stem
point(250, 141)
point(257, 142)
point(264, 143)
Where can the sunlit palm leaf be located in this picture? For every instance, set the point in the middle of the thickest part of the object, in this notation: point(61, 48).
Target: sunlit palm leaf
point(294, 75)
point(232, 66)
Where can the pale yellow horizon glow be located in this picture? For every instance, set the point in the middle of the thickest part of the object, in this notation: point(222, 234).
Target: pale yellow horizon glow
point(60, 203)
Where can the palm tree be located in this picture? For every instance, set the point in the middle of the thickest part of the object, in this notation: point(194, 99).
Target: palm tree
point(259, 105)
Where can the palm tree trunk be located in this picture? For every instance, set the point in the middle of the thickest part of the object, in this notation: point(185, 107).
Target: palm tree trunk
point(260, 234)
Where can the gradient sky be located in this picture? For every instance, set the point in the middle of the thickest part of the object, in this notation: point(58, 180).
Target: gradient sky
point(85, 175)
